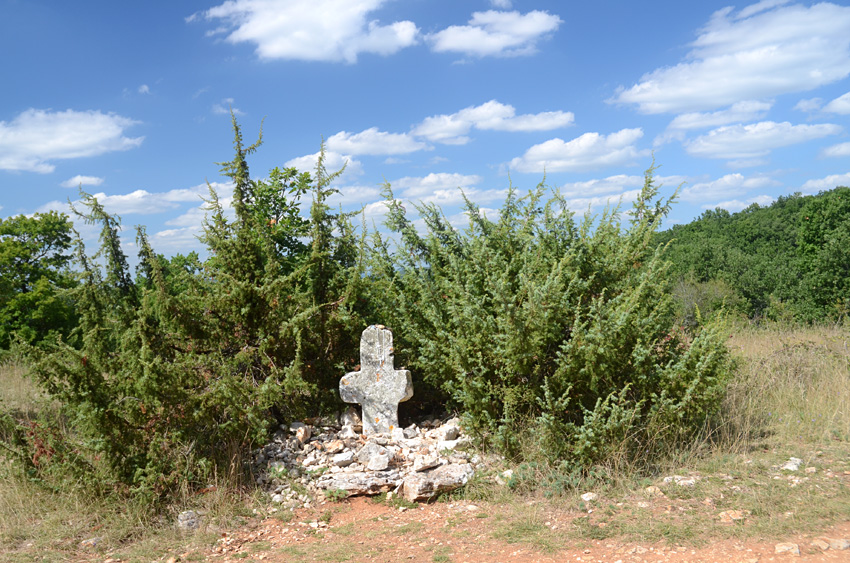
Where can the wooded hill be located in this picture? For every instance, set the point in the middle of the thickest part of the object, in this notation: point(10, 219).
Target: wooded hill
point(786, 261)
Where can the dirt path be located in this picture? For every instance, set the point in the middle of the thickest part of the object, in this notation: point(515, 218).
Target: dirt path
point(361, 530)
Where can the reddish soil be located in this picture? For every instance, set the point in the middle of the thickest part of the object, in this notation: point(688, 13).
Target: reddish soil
point(362, 530)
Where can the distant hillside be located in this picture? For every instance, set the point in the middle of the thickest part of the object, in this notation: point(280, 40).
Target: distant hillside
point(790, 259)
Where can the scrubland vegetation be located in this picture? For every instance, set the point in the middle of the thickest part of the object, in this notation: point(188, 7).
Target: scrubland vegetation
point(590, 352)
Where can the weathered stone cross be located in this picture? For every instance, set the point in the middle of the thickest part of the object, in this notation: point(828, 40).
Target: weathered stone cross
point(378, 386)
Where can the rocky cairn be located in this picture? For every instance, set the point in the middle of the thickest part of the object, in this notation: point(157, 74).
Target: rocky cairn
point(331, 459)
point(419, 462)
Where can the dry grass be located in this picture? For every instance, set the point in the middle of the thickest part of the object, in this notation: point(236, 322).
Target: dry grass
point(793, 386)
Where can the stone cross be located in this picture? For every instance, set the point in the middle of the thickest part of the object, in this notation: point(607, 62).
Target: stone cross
point(378, 386)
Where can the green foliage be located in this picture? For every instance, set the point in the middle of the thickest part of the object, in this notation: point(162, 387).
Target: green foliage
point(824, 250)
point(786, 261)
point(181, 370)
point(34, 257)
point(535, 317)
point(530, 320)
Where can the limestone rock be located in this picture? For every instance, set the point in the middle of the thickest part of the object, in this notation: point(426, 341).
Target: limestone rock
point(589, 497)
point(426, 462)
point(303, 434)
point(428, 484)
point(840, 544)
point(350, 418)
point(504, 477)
point(362, 482)
point(343, 459)
point(379, 462)
point(820, 544)
point(189, 520)
point(791, 548)
point(793, 464)
point(369, 451)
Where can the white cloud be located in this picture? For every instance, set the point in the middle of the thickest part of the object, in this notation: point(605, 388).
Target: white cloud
point(586, 152)
point(171, 241)
point(842, 149)
point(144, 89)
point(582, 204)
point(735, 205)
point(310, 30)
point(494, 33)
point(444, 189)
point(739, 112)
point(143, 202)
point(730, 185)
point(81, 181)
point(195, 216)
point(839, 105)
point(333, 161)
point(766, 50)
point(809, 105)
point(747, 162)
point(419, 186)
point(828, 183)
point(376, 209)
point(755, 140)
point(355, 195)
point(35, 137)
point(372, 141)
point(225, 107)
point(452, 129)
point(611, 184)
point(501, 4)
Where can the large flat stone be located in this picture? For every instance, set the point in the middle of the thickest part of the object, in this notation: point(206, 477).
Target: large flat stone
point(362, 482)
point(428, 484)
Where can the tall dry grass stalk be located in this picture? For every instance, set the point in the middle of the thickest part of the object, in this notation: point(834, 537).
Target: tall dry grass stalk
point(792, 386)
point(19, 393)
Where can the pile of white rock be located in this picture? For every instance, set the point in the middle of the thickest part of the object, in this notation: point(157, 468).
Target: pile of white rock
point(332, 459)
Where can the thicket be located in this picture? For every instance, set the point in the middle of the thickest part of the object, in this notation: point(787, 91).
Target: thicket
point(531, 322)
point(786, 261)
point(35, 253)
point(534, 323)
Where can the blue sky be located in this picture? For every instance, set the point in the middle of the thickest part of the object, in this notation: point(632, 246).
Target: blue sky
point(743, 103)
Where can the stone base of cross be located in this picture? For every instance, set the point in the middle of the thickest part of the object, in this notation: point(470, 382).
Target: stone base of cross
point(378, 387)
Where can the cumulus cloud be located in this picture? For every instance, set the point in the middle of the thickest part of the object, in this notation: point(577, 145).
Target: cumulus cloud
point(611, 184)
point(735, 205)
point(730, 185)
point(739, 112)
point(586, 152)
point(372, 141)
point(839, 105)
point(842, 149)
point(452, 129)
point(755, 140)
point(444, 189)
point(35, 137)
point(809, 105)
point(144, 89)
point(81, 181)
point(310, 30)
point(828, 183)
point(143, 202)
point(225, 107)
point(333, 161)
point(767, 49)
point(495, 33)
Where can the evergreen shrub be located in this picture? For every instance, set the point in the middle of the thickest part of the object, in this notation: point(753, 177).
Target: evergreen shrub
point(183, 368)
point(531, 321)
